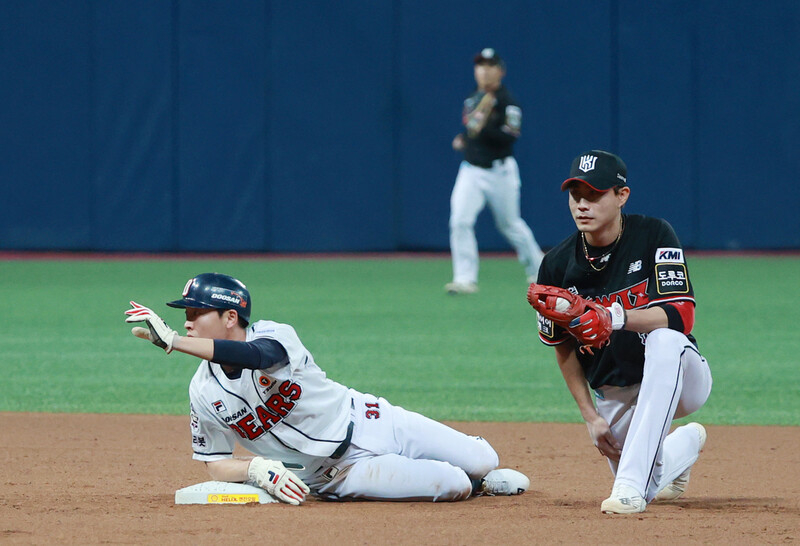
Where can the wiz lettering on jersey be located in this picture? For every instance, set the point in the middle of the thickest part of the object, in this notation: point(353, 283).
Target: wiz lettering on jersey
point(646, 268)
point(290, 413)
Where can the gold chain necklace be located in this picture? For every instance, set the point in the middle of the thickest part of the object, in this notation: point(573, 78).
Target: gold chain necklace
point(605, 254)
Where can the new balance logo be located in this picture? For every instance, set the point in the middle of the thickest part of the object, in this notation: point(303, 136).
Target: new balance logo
point(635, 266)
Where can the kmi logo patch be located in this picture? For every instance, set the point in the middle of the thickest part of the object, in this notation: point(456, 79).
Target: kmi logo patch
point(669, 255)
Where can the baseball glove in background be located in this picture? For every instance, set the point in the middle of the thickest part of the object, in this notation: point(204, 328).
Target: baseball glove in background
point(477, 119)
point(589, 322)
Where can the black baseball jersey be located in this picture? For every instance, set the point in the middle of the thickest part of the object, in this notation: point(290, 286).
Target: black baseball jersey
point(645, 269)
point(496, 139)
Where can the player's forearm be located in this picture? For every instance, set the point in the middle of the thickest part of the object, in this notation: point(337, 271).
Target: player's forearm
point(229, 470)
point(195, 346)
point(572, 372)
point(646, 320)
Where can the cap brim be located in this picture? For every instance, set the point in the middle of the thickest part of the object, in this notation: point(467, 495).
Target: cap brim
point(569, 181)
point(189, 303)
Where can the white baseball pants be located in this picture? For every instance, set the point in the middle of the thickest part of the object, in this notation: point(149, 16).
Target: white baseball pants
point(677, 382)
point(499, 186)
point(400, 455)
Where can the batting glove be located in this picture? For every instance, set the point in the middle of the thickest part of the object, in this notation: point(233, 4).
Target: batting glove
point(618, 316)
point(277, 481)
point(157, 331)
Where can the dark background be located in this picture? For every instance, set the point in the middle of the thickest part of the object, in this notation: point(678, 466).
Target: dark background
point(162, 125)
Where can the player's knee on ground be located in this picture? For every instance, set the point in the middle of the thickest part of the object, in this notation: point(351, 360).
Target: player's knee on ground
point(484, 459)
point(394, 477)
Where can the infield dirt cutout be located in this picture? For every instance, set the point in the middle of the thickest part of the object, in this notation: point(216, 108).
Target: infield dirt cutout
point(88, 479)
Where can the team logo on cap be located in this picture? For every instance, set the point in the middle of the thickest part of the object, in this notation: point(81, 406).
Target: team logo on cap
point(587, 163)
point(187, 287)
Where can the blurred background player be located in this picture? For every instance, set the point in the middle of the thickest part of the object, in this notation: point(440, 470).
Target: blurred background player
point(259, 386)
point(489, 174)
point(651, 371)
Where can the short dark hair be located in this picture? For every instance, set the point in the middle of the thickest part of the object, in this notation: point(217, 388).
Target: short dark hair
point(243, 323)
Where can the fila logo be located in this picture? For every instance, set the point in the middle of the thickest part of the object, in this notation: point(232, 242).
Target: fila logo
point(669, 255)
point(219, 407)
point(587, 163)
point(635, 266)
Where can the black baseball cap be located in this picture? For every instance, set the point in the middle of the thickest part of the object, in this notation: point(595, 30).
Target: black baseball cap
point(489, 56)
point(597, 169)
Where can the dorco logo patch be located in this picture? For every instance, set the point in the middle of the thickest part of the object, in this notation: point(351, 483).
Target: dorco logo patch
point(671, 279)
point(669, 255)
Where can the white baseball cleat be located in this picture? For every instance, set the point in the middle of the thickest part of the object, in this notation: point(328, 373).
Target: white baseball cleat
point(624, 499)
point(454, 288)
point(504, 481)
point(677, 488)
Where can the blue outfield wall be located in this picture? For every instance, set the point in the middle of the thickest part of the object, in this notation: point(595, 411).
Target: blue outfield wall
point(163, 125)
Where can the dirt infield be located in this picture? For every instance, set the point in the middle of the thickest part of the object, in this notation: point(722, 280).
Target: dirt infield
point(87, 479)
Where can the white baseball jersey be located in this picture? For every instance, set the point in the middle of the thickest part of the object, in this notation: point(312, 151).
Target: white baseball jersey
point(291, 413)
point(349, 444)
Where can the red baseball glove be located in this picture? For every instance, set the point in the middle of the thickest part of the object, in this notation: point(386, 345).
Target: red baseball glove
point(588, 321)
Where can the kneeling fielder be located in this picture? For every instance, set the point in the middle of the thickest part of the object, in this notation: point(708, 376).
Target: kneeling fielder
point(629, 339)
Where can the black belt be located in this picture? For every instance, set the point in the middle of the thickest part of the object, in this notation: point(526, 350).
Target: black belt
point(490, 164)
point(345, 443)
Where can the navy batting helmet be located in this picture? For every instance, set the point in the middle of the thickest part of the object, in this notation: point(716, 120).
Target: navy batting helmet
point(215, 291)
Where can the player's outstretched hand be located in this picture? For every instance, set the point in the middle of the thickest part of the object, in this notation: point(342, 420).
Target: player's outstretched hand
point(277, 480)
point(157, 331)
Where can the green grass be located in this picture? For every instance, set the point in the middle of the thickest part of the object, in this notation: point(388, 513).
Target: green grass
point(380, 325)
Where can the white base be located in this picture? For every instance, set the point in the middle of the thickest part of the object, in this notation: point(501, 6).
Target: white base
point(222, 493)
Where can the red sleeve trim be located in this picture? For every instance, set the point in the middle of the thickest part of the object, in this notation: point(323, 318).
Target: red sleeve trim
point(680, 315)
